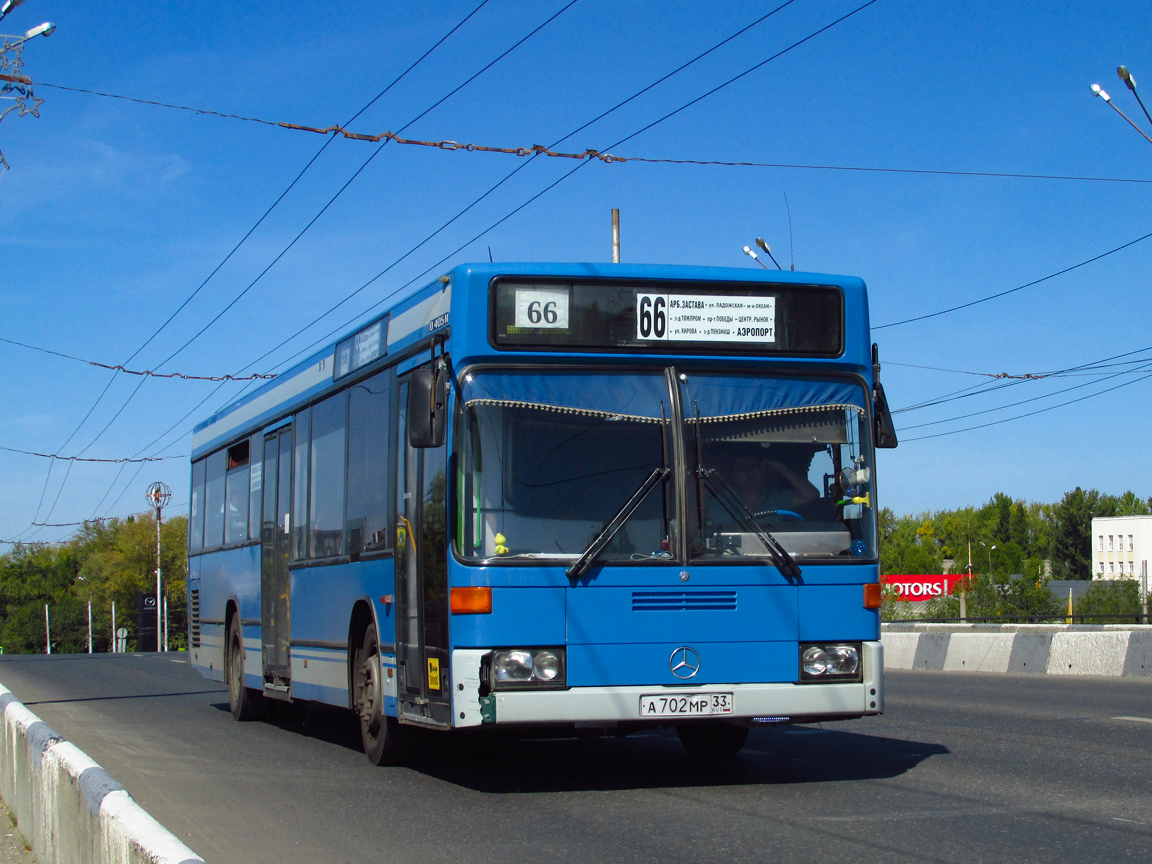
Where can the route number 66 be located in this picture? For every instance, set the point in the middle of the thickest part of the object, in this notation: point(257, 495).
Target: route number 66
point(652, 316)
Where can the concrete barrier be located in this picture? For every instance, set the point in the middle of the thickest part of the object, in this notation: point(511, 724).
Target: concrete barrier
point(68, 807)
point(1052, 649)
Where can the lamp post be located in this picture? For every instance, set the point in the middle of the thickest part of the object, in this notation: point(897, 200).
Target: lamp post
point(158, 496)
point(11, 62)
point(1097, 90)
point(1130, 80)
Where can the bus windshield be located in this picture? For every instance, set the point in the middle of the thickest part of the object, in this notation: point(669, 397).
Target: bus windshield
point(550, 457)
point(791, 453)
point(547, 458)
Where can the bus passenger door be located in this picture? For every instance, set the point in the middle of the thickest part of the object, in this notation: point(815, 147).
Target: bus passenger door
point(422, 577)
point(275, 626)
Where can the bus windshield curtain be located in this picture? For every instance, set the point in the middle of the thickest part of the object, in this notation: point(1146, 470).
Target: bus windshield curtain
point(613, 396)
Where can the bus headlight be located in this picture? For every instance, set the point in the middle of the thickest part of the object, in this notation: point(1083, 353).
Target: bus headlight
point(830, 662)
point(526, 668)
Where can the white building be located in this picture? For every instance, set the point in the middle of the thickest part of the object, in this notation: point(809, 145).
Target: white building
point(1121, 546)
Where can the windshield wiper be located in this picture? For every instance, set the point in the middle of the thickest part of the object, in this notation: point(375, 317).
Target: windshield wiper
point(736, 508)
point(615, 524)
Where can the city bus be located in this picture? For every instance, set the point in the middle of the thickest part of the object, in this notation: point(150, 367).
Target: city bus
point(561, 499)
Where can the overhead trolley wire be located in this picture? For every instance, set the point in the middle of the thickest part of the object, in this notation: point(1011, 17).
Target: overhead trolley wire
point(359, 170)
point(1146, 365)
point(1030, 413)
point(614, 158)
point(988, 387)
point(1018, 288)
point(280, 198)
point(563, 177)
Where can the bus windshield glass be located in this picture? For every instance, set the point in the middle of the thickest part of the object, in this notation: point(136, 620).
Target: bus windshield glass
point(791, 453)
point(549, 457)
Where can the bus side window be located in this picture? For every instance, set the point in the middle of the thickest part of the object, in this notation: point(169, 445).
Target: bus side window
point(196, 509)
point(369, 459)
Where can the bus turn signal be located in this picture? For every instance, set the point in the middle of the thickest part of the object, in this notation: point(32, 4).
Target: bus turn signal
point(872, 595)
point(471, 601)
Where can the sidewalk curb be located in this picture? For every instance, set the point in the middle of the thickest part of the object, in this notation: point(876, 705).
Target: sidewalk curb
point(68, 807)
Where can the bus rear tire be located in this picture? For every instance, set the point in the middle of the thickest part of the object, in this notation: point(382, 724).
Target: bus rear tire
point(384, 741)
point(712, 739)
point(244, 702)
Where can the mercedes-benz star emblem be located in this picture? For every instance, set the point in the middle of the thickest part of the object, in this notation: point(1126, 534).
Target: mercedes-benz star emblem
point(684, 662)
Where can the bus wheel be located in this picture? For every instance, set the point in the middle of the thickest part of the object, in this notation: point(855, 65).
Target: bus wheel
point(712, 739)
point(382, 736)
point(244, 702)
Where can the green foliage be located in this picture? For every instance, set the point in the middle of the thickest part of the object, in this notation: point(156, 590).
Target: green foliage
point(999, 595)
point(1112, 597)
point(1003, 539)
point(104, 562)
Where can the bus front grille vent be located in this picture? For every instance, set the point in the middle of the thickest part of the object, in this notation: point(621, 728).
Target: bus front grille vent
point(683, 601)
point(194, 617)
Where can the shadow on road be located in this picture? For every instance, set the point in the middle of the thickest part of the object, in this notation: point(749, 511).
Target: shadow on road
point(655, 760)
point(500, 762)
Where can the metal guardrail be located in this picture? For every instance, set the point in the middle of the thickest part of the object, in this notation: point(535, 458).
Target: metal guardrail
point(1128, 618)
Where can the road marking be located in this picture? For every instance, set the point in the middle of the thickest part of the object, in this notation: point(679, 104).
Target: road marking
point(1132, 821)
point(1135, 719)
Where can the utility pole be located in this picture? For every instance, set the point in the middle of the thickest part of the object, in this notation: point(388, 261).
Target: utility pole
point(615, 235)
point(158, 496)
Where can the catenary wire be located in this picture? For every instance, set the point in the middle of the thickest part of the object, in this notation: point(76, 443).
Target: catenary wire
point(48, 477)
point(563, 177)
point(1028, 414)
point(350, 180)
point(1014, 290)
point(1145, 366)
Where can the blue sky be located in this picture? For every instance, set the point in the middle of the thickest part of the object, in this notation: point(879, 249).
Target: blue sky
point(114, 212)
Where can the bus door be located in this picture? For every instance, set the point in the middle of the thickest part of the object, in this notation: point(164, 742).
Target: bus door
point(421, 577)
point(275, 624)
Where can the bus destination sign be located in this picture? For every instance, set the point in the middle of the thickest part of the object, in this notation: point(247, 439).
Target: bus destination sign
point(663, 316)
point(706, 318)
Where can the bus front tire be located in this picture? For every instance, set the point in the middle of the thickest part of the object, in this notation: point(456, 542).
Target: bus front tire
point(383, 739)
point(712, 739)
point(244, 702)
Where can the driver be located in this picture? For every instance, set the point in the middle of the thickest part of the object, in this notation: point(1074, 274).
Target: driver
point(771, 479)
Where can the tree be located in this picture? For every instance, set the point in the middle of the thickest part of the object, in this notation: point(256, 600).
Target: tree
point(1072, 534)
point(104, 562)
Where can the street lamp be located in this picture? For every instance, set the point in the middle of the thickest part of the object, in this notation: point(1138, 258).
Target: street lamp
point(158, 495)
point(45, 29)
point(1097, 90)
point(1130, 80)
point(760, 242)
point(748, 251)
point(8, 6)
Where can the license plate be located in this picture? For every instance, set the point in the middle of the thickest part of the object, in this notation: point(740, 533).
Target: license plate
point(686, 705)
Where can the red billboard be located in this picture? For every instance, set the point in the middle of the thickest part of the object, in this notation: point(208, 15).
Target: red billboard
point(922, 587)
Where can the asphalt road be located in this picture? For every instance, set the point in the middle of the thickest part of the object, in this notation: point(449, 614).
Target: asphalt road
point(961, 768)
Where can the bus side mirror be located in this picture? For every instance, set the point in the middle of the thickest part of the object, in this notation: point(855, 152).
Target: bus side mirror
point(427, 406)
point(884, 435)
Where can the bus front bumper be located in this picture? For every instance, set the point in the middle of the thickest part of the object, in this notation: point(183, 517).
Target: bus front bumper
point(774, 702)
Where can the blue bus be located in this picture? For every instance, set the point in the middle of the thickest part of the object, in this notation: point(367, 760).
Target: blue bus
point(561, 497)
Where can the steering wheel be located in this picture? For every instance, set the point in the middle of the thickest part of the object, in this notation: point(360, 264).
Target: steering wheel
point(789, 513)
